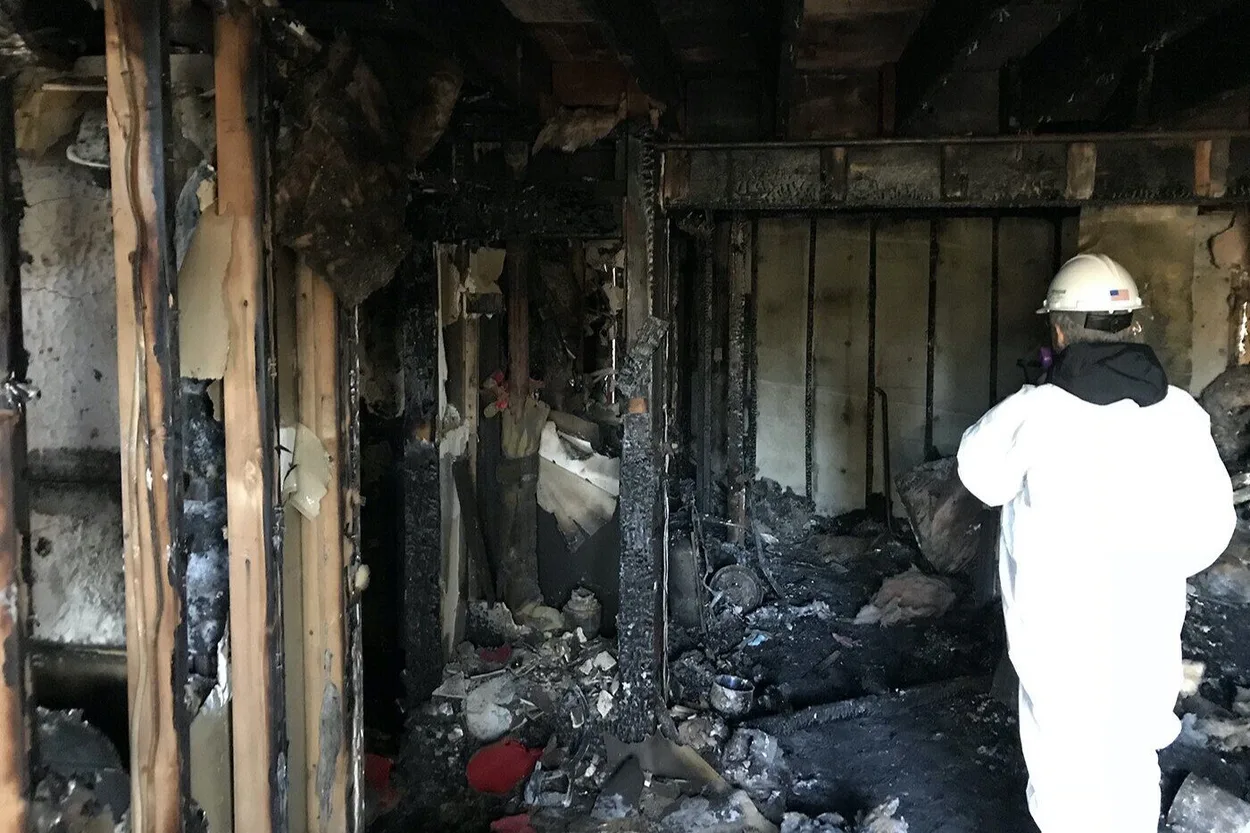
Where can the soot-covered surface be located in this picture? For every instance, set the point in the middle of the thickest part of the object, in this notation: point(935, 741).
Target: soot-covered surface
point(953, 762)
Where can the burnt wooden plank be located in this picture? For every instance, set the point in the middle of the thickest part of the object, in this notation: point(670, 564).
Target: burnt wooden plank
point(639, 585)
point(1002, 174)
point(422, 555)
point(903, 174)
point(960, 36)
point(634, 30)
point(1144, 172)
point(257, 679)
point(1071, 76)
point(487, 211)
point(1237, 175)
point(14, 510)
point(1059, 172)
point(147, 350)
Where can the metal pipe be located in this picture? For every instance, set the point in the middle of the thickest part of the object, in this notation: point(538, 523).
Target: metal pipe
point(809, 368)
point(930, 371)
point(870, 469)
point(1016, 139)
point(995, 302)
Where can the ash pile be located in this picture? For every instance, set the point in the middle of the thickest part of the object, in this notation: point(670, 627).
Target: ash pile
point(519, 737)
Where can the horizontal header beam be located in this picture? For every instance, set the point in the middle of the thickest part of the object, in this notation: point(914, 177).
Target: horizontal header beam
point(1012, 172)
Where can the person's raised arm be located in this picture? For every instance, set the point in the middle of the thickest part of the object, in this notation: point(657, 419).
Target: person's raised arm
point(991, 461)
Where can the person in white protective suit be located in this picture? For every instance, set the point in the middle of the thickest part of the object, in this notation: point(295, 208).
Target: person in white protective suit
point(1113, 494)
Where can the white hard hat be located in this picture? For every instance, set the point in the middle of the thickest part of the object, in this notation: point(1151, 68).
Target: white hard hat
point(1092, 283)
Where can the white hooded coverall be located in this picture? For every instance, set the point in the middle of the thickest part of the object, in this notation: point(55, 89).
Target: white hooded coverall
point(1107, 510)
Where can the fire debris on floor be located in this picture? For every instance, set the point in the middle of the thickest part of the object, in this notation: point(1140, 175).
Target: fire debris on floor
point(824, 675)
point(814, 629)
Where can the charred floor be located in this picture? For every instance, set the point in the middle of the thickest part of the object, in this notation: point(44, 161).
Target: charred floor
point(540, 415)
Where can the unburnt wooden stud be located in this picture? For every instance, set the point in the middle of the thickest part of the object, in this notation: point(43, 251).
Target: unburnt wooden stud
point(14, 520)
point(255, 593)
point(147, 370)
point(324, 569)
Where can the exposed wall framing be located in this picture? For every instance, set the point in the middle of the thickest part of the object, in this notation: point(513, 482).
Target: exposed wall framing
point(326, 721)
point(147, 349)
point(14, 509)
point(257, 680)
point(850, 306)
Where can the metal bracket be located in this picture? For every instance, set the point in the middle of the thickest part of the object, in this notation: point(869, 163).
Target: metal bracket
point(18, 393)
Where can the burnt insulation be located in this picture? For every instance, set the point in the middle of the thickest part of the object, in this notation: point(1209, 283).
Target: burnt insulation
point(203, 528)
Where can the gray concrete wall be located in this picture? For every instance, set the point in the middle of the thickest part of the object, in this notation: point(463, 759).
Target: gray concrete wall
point(981, 326)
point(70, 328)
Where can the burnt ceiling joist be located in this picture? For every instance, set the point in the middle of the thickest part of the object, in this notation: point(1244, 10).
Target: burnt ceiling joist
point(789, 27)
point(634, 30)
point(492, 45)
point(46, 33)
point(1073, 74)
point(967, 36)
point(507, 61)
point(1202, 67)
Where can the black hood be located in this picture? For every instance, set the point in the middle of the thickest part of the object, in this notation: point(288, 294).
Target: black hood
point(1103, 374)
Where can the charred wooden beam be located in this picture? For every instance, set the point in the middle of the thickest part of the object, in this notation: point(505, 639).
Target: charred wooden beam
point(324, 567)
point(634, 30)
point(422, 558)
point(488, 211)
point(258, 684)
point(959, 36)
point(148, 400)
point(494, 47)
point(1007, 172)
point(350, 474)
point(14, 510)
point(1202, 67)
point(789, 26)
point(740, 255)
point(639, 603)
point(1070, 76)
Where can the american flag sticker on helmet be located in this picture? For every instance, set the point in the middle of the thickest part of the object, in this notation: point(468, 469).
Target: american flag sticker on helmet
point(1119, 293)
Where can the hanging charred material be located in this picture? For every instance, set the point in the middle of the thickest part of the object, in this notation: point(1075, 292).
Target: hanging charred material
point(342, 193)
point(422, 558)
point(14, 512)
point(256, 662)
point(147, 350)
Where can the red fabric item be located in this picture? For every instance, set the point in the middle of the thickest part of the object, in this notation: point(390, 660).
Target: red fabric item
point(512, 824)
point(378, 778)
point(498, 769)
point(501, 654)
